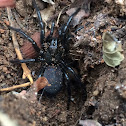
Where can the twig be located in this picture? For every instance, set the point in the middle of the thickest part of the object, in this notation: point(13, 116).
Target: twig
point(15, 87)
point(26, 71)
point(57, 22)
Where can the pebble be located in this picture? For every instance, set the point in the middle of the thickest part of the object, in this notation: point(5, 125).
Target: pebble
point(8, 76)
point(96, 92)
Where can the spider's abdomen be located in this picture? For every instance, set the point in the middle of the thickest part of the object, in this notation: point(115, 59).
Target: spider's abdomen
point(54, 76)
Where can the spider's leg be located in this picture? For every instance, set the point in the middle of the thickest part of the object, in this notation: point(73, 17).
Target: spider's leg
point(72, 36)
point(62, 36)
point(67, 82)
point(78, 29)
point(72, 72)
point(63, 30)
point(26, 60)
point(42, 35)
point(41, 72)
point(37, 49)
point(51, 32)
point(70, 19)
point(22, 61)
point(81, 86)
point(68, 90)
point(52, 29)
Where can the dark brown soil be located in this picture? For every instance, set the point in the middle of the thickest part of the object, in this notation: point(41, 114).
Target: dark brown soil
point(104, 103)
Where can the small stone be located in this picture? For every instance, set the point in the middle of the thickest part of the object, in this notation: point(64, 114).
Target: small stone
point(96, 92)
point(89, 122)
point(8, 76)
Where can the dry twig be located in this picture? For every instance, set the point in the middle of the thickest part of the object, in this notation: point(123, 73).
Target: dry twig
point(26, 71)
point(15, 87)
point(57, 22)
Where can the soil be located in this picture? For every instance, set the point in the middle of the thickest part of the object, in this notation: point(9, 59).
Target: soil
point(104, 85)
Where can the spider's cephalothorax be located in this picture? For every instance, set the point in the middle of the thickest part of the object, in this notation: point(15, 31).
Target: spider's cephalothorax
point(52, 58)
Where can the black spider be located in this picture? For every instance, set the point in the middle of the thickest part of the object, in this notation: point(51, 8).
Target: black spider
point(52, 58)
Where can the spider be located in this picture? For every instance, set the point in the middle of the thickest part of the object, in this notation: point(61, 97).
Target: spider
point(53, 63)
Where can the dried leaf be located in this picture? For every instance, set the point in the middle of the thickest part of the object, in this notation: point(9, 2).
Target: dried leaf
point(111, 63)
point(109, 43)
point(79, 16)
point(84, 12)
point(46, 13)
point(40, 83)
point(7, 3)
point(112, 50)
point(115, 56)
